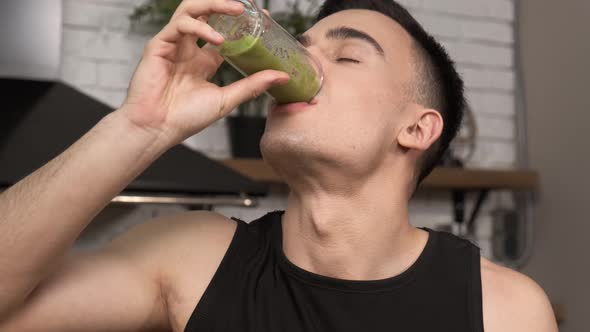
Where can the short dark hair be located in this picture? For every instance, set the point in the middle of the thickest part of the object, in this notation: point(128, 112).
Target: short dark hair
point(439, 86)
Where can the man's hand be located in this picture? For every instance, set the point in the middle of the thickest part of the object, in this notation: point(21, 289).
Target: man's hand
point(170, 92)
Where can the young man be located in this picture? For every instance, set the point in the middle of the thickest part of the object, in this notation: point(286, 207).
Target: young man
point(342, 257)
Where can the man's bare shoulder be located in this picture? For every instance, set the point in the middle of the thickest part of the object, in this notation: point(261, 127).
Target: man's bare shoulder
point(176, 230)
point(169, 246)
point(196, 239)
point(183, 251)
point(513, 301)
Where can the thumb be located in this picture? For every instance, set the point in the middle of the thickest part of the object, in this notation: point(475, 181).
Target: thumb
point(251, 87)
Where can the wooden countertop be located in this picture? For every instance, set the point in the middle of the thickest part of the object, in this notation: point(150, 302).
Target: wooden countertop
point(440, 178)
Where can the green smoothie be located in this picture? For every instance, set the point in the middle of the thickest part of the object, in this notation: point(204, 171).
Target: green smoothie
point(251, 56)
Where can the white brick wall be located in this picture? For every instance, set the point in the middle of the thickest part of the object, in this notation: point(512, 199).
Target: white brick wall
point(100, 54)
point(492, 10)
point(114, 75)
point(492, 102)
point(466, 28)
point(80, 72)
point(99, 50)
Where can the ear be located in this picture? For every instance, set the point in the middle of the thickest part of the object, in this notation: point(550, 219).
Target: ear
point(424, 128)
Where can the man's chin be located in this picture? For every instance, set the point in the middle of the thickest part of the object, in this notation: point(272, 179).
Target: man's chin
point(287, 151)
point(282, 144)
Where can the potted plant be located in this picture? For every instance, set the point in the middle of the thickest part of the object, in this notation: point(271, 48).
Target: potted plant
point(246, 126)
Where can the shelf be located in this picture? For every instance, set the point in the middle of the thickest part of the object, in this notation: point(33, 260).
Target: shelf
point(440, 178)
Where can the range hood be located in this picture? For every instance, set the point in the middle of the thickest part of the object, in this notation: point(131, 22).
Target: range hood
point(42, 116)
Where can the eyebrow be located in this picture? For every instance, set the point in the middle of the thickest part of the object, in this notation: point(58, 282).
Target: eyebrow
point(343, 33)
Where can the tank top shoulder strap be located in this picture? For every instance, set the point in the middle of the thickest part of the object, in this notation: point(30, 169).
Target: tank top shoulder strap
point(247, 253)
point(460, 258)
point(475, 290)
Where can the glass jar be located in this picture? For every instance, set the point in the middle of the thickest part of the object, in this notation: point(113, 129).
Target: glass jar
point(255, 42)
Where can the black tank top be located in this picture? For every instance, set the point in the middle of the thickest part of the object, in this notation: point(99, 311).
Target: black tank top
point(257, 289)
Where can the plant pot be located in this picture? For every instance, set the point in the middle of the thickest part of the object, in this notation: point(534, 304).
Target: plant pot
point(245, 133)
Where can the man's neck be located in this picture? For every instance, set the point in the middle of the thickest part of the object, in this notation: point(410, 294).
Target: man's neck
point(362, 234)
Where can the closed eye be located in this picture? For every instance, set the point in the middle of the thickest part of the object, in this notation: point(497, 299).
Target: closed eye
point(347, 60)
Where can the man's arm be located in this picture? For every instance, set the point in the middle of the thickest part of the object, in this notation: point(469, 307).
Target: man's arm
point(41, 216)
point(112, 289)
point(514, 302)
point(169, 100)
point(129, 285)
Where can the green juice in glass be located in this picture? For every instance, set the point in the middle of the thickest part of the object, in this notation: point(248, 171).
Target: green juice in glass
point(250, 55)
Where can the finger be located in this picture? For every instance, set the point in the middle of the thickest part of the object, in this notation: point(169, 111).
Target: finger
point(266, 12)
point(215, 61)
point(197, 8)
point(186, 25)
point(212, 49)
point(250, 87)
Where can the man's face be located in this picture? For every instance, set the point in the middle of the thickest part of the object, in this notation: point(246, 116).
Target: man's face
point(359, 109)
